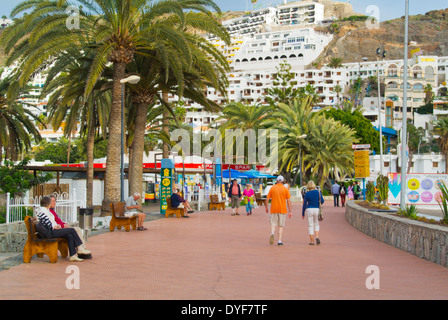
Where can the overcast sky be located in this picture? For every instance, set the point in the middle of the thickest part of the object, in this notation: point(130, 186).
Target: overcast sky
point(388, 9)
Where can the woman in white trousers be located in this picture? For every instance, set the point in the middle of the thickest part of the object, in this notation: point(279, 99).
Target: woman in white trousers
point(311, 208)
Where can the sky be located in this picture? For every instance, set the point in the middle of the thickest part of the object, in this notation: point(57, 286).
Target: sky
point(388, 9)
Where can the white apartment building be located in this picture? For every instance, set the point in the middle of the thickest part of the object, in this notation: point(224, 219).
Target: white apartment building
point(264, 51)
point(422, 71)
point(302, 13)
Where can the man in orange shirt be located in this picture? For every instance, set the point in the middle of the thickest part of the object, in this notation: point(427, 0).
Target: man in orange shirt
point(280, 205)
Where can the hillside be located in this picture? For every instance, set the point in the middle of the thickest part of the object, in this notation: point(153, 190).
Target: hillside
point(353, 40)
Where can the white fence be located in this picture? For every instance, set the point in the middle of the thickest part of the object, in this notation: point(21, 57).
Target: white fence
point(66, 206)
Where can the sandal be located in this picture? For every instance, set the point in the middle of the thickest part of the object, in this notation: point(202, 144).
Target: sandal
point(311, 244)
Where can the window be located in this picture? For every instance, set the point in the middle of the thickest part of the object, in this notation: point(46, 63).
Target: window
point(435, 164)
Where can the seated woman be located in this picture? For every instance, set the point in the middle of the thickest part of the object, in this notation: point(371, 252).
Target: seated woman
point(52, 230)
point(177, 201)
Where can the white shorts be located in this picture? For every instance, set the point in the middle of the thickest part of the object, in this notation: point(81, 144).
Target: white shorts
point(181, 206)
point(130, 214)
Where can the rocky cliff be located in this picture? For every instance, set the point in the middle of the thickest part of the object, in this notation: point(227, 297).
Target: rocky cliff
point(354, 40)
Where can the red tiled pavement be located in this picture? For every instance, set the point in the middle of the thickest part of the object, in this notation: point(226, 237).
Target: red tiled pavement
point(216, 256)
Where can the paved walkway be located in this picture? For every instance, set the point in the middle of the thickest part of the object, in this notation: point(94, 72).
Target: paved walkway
point(215, 256)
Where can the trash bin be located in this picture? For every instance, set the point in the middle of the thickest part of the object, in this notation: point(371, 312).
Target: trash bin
point(85, 218)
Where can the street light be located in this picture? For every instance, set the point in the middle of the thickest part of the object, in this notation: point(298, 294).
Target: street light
point(380, 53)
point(404, 116)
point(131, 80)
point(303, 136)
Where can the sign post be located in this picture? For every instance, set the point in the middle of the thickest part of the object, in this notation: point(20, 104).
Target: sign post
point(362, 165)
point(166, 182)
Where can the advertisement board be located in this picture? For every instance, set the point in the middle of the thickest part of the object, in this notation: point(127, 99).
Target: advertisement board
point(421, 188)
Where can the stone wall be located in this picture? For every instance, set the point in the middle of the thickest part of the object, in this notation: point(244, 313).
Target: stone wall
point(13, 236)
point(426, 241)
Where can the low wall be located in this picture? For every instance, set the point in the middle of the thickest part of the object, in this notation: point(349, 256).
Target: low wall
point(426, 241)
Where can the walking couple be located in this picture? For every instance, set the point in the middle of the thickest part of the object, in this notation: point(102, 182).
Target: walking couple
point(281, 205)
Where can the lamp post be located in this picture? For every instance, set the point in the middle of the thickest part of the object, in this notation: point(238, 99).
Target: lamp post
point(131, 80)
point(404, 113)
point(380, 53)
point(303, 136)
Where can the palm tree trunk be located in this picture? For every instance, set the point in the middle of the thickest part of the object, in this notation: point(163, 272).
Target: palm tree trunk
point(165, 128)
point(90, 158)
point(136, 182)
point(112, 191)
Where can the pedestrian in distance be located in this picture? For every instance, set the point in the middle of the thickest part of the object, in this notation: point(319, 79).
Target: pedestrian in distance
point(234, 194)
point(357, 190)
point(310, 207)
point(249, 196)
point(335, 192)
point(280, 206)
point(343, 194)
point(350, 195)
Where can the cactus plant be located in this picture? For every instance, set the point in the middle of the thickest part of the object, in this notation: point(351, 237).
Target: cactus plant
point(370, 192)
point(382, 183)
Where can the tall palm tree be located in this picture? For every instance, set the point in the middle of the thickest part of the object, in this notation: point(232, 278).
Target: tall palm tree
point(117, 31)
point(67, 103)
point(441, 129)
point(171, 73)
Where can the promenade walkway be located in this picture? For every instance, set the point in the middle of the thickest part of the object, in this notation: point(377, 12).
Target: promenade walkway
point(216, 256)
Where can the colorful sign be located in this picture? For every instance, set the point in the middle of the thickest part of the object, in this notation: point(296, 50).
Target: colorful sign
point(362, 164)
point(421, 188)
point(166, 185)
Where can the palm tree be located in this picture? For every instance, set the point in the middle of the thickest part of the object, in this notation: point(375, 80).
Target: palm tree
point(16, 124)
point(117, 31)
point(429, 95)
point(335, 63)
point(245, 117)
point(67, 103)
point(292, 121)
point(329, 148)
point(441, 129)
point(171, 73)
point(337, 89)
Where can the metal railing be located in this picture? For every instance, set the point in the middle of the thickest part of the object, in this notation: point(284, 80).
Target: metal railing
point(66, 206)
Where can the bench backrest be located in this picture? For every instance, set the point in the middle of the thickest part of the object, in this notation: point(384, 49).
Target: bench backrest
point(257, 195)
point(30, 223)
point(168, 203)
point(118, 209)
point(214, 198)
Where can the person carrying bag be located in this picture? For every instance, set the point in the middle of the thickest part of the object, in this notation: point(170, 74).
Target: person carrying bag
point(312, 206)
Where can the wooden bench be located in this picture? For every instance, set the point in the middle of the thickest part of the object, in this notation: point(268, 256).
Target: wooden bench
point(216, 204)
point(258, 198)
point(119, 220)
point(173, 211)
point(37, 246)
